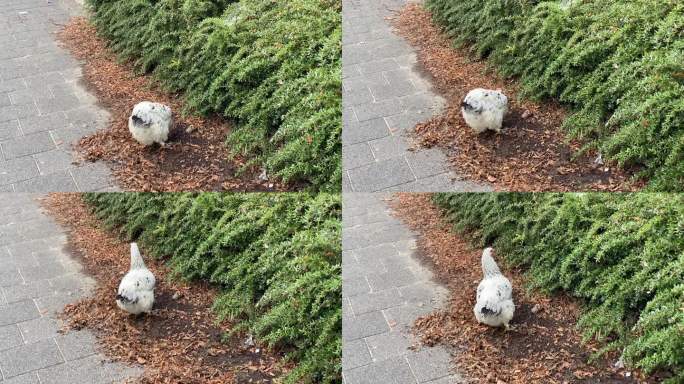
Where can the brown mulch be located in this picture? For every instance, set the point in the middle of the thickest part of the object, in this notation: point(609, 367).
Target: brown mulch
point(531, 154)
point(195, 158)
point(543, 347)
point(180, 341)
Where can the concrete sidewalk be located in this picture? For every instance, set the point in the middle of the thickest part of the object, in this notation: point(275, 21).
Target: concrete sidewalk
point(37, 278)
point(44, 107)
point(384, 98)
point(384, 289)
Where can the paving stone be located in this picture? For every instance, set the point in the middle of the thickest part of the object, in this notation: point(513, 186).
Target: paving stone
point(44, 123)
point(363, 81)
point(390, 371)
point(92, 177)
point(60, 181)
point(404, 316)
point(52, 305)
point(429, 364)
point(377, 109)
point(364, 325)
point(56, 104)
point(359, 132)
point(380, 175)
point(27, 145)
point(37, 229)
point(355, 286)
point(28, 378)
point(422, 293)
point(65, 138)
point(376, 251)
point(392, 279)
point(388, 147)
point(403, 122)
point(10, 337)
point(76, 344)
point(9, 129)
point(377, 66)
point(70, 283)
point(356, 155)
point(355, 354)
point(29, 290)
point(11, 85)
point(453, 379)
point(54, 161)
point(87, 118)
point(17, 312)
point(357, 96)
point(372, 266)
point(26, 358)
point(5, 100)
point(389, 344)
point(44, 79)
point(44, 271)
point(19, 169)
point(428, 162)
point(15, 112)
point(28, 95)
point(392, 90)
point(38, 329)
point(347, 71)
point(375, 301)
point(87, 370)
point(10, 276)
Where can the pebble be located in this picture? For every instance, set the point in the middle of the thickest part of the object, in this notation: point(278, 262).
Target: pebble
point(527, 114)
point(176, 296)
point(536, 308)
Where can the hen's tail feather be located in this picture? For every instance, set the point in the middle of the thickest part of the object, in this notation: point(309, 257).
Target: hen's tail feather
point(136, 259)
point(489, 266)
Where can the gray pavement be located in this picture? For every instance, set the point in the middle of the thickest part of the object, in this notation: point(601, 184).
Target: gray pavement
point(384, 289)
point(384, 98)
point(37, 278)
point(44, 107)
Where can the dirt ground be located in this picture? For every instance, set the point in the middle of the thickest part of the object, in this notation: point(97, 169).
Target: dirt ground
point(531, 154)
point(544, 345)
point(181, 341)
point(194, 158)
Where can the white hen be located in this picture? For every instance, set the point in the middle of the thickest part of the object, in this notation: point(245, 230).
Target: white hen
point(494, 305)
point(136, 291)
point(484, 109)
point(150, 123)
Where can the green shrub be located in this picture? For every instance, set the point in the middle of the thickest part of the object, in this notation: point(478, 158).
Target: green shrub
point(619, 65)
point(274, 67)
point(621, 254)
point(275, 257)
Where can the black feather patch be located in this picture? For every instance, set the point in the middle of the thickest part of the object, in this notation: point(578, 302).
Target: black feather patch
point(469, 107)
point(486, 311)
point(139, 121)
point(125, 299)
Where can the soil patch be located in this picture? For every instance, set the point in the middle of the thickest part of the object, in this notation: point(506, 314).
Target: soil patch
point(181, 341)
point(531, 154)
point(195, 157)
point(543, 347)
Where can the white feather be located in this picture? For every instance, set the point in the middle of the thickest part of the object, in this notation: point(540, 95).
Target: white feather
point(484, 109)
point(151, 124)
point(136, 290)
point(494, 305)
